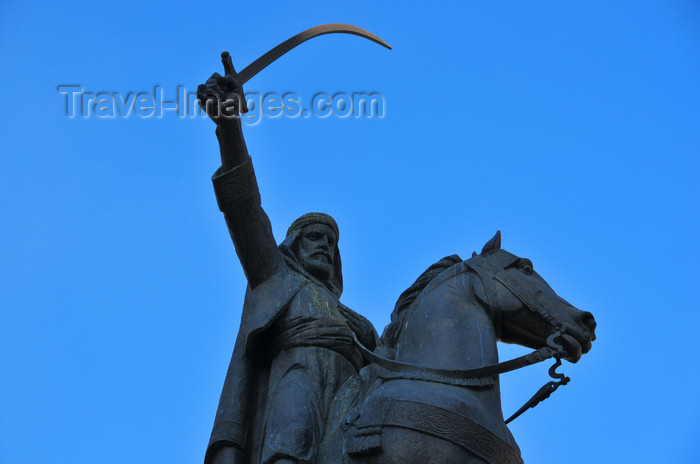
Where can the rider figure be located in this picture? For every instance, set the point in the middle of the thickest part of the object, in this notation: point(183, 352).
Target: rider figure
point(295, 344)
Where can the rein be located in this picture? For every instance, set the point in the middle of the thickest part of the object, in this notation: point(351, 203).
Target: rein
point(553, 349)
point(458, 374)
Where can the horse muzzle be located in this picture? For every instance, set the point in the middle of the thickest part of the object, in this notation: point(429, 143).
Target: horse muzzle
point(578, 336)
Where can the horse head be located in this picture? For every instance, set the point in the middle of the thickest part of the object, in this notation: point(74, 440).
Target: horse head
point(525, 309)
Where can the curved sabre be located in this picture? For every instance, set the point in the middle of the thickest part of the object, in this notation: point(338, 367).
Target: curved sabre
point(261, 63)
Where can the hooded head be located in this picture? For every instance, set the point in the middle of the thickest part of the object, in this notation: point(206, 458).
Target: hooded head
point(312, 246)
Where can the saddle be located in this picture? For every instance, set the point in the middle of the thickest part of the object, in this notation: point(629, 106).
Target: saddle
point(362, 434)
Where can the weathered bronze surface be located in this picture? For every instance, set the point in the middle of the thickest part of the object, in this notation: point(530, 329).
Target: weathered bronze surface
point(311, 382)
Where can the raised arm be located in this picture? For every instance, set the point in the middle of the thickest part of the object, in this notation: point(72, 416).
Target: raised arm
point(235, 183)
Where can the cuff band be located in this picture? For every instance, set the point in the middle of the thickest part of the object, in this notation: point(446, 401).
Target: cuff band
point(236, 186)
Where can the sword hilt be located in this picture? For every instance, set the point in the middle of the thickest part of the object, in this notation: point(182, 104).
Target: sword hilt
point(229, 70)
point(228, 64)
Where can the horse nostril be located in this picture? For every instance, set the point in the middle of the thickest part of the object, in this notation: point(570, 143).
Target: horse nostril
point(588, 321)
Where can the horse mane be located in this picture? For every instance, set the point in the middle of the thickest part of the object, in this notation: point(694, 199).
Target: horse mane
point(398, 315)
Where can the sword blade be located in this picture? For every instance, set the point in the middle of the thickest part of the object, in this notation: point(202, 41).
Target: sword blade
point(336, 28)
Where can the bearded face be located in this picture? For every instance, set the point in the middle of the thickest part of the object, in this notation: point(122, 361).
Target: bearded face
point(316, 250)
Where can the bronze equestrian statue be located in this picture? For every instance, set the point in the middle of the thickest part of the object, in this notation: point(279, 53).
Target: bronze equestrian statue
point(310, 382)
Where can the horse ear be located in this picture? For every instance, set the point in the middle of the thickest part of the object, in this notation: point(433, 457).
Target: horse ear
point(473, 254)
point(492, 245)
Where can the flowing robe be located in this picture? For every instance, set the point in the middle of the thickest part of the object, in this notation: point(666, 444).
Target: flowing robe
point(295, 343)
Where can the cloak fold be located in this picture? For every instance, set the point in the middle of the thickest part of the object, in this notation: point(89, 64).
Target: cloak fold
point(242, 399)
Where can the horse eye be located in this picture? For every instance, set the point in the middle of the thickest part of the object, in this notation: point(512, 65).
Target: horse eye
point(526, 267)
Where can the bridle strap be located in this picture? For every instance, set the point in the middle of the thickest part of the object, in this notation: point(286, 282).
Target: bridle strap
point(492, 298)
point(479, 265)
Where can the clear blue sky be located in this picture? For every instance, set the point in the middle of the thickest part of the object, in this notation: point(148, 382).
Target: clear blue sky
point(573, 127)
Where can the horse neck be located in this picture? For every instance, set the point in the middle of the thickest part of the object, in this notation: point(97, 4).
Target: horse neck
point(448, 327)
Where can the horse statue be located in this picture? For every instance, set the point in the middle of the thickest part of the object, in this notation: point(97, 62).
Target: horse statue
point(430, 394)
